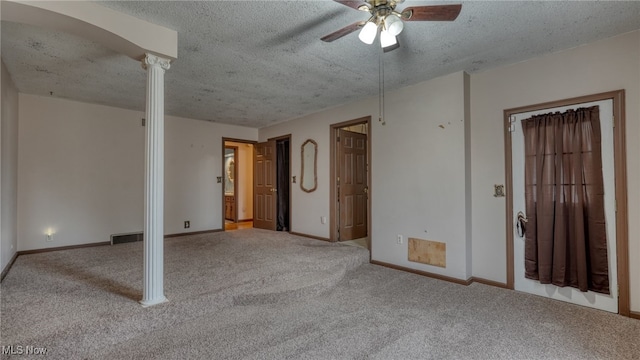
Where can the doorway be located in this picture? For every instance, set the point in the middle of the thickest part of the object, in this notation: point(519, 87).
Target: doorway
point(351, 179)
point(237, 184)
point(272, 187)
point(613, 159)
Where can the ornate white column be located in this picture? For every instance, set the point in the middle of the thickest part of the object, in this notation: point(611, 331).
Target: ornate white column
point(153, 292)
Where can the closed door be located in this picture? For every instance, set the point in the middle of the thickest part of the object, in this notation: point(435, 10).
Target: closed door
point(264, 190)
point(352, 185)
point(607, 302)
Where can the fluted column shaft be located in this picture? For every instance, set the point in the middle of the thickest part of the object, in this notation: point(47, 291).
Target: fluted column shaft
point(153, 291)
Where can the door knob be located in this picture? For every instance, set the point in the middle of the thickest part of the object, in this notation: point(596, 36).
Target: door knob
point(365, 190)
point(521, 223)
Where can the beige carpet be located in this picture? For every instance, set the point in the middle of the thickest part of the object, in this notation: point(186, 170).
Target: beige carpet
point(362, 242)
point(253, 294)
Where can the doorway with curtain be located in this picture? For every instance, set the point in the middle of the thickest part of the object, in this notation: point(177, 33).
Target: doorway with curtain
point(566, 203)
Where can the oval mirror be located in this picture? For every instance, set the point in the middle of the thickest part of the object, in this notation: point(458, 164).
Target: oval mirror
point(309, 178)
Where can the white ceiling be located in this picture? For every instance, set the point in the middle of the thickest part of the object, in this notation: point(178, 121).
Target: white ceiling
point(255, 63)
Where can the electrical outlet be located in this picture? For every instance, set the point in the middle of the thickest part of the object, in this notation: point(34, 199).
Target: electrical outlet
point(49, 237)
point(187, 224)
point(399, 239)
point(323, 219)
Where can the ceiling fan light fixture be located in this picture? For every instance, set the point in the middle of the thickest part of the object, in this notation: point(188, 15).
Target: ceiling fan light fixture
point(368, 33)
point(393, 24)
point(387, 39)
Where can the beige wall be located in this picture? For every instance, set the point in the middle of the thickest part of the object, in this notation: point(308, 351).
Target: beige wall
point(81, 172)
point(418, 171)
point(602, 66)
point(8, 170)
point(421, 173)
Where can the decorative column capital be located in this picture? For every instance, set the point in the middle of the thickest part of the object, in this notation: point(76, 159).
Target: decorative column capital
point(153, 60)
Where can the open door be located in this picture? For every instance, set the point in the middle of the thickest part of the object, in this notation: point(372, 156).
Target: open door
point(352, 184)
point(264, 186)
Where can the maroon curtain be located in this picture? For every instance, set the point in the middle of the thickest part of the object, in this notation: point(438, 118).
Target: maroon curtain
point(565, 243)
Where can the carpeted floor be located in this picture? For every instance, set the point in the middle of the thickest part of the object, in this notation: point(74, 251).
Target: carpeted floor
point(254, 294)
point(362, 242)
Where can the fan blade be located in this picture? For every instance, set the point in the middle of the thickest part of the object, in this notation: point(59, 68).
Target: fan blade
point(355, 4)
point(344, 31)
point(431, 13)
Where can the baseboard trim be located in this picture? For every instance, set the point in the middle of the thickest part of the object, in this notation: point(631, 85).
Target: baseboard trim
point(309, 236)
point(193, 233)
point(634, 315)
point(489, 282)
point(423, 273)
point(245, 220)
point(69, 247)
point(8, 267)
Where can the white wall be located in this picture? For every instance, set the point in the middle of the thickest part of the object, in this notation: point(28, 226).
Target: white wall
point(193, 161)
point(418, 170)
point(602, 66)
point(8, 170)
point(245, 180)
point(418, 183)
point(81, 172)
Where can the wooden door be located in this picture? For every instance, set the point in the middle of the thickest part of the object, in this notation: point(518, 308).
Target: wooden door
point(352, 184)
point(265, 203)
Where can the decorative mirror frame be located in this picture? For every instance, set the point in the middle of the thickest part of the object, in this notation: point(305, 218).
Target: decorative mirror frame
point(315, 166)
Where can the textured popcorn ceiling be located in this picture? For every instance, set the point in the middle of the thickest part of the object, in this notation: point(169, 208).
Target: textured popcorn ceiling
point(255, 63)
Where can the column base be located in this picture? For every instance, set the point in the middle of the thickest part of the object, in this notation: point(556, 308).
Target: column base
point(151, 302)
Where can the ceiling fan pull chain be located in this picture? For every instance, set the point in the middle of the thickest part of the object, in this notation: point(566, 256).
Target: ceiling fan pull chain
point(381, 117)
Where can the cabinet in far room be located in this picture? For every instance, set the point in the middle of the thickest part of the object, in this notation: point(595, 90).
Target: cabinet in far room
point(230, 208)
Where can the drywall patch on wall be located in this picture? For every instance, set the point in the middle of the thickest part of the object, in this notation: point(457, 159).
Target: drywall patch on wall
point(428, 252)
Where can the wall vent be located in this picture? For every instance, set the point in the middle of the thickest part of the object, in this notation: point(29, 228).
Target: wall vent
point(126, 238)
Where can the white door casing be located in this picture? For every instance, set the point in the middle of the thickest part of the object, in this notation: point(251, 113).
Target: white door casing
point(568, 294)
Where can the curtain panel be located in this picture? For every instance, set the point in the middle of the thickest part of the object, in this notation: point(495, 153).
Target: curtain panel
point(565, 241)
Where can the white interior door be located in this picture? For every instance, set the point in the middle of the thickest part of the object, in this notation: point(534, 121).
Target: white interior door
point(568, 294)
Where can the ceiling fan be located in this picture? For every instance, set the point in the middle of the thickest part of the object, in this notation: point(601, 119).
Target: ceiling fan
point(388, 21)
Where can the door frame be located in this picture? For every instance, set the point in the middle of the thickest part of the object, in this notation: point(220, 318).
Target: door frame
point(333, 209)
point(289, 181)
point(235, 180)
point(224, 140)
point(620, 170)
